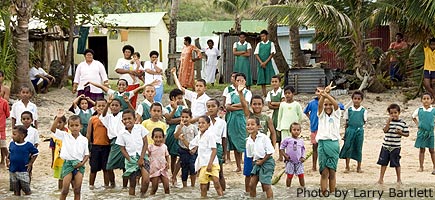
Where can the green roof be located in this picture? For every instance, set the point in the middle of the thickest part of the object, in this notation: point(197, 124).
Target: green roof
point(206, 28)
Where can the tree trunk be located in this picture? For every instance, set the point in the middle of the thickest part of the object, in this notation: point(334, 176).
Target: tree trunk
point(69, 50)
point(298, 58)
point(394, 29)
point(279, 58)
point(172, 40)
point(22, 45)
point(238, 23)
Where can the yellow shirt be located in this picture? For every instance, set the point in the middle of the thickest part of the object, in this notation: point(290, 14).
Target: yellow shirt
point(429, 59)
point(150, 126)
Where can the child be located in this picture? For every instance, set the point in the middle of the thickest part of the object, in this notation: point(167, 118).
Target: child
point(80, 107)
point(260, 149)
point(228, 90)
point(311, 112)
point(114, 125)
point(100, 145)
point(5, 91)
point(356, 117)
point(139, 69)
point(4, 113)
point(293, 150)
point(154, 122)
point(219, 127)
point(74, 152)
point(173, 119)
point(22, 105)
point(273, 100)
point(134, 144)
point(153, 74)
point(32, 133)
point(20, 161)
point(264, 53)
point(390, 150)
point(121, 94)
point(159, 161)
point(57, 162)
point(185, 132)
point(327, 138)
point(425, 134)
point(198, 99)
point(429, 67)
point(236, 121)
point(289, 111)
point(207, 163)
point(143, 109)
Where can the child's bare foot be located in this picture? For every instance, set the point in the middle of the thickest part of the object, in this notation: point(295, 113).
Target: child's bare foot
point(358, 170)
point(314, 169)
point(280, 159)
point(399, 182)
point(380, 182)
point(420, 169)
point(91, 187)
point(237, 170)
point(174, 181)
point(347, 170)
point(433, 172)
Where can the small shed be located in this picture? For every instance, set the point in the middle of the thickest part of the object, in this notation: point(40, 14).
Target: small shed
point(306, 80)
point(144, 31)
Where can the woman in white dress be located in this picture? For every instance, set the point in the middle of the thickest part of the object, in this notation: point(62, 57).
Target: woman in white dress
point(212, 56)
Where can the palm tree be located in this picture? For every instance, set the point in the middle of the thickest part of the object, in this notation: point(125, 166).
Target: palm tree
point(236, 7)
point(173, 37)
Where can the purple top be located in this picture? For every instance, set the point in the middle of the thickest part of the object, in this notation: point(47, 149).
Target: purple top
point(294, 148)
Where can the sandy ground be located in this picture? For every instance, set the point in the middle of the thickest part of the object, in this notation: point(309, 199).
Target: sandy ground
point(376, 105)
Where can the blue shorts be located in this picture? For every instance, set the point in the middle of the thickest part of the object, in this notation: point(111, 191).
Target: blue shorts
point(429, 74)
point(248, 165)
point(187, 162)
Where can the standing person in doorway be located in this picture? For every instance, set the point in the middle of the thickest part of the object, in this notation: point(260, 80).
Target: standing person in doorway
point(186, 71)
point(264, 53)
point(242, 51)
point(212, 55)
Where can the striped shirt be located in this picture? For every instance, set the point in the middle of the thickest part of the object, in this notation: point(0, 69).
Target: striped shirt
point(392, 139)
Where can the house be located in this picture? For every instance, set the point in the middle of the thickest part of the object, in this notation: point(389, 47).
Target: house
point(305, 34)
point(144, 31)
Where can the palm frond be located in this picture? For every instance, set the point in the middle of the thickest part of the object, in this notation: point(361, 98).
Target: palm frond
point(284, 14)
point(230, 6)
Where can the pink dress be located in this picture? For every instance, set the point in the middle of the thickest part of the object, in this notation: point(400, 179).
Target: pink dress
point(158, 162)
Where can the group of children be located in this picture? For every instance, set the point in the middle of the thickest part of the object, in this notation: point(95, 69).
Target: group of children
point(148, 141)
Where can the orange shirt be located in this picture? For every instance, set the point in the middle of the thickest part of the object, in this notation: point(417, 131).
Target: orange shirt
point(99, 132)
point(397, 46)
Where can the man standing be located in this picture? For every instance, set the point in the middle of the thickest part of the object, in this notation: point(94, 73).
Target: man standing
point(242, 51)
point(264, 53)
point(396, 48)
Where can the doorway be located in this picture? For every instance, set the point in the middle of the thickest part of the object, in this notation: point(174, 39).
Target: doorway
point(99, 45)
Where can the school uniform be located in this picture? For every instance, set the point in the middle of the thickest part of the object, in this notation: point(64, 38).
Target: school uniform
point(133, 143)
point(425, 133)
point(19, 107)
point(275, 96)
point(236, 122)
point(354, 134)
point(114, 126)
point(219, 128)
point(198, 104)
point(170, 140)
point(327, 137)
point(205, 143)
point(32, 136)
point(264, 50)
point(84, 115)
point(257, 149)
point(143, 109)
point(120, 96)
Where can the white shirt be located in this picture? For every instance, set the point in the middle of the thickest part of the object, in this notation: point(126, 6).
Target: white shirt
point(248, 96)
point(219, 128)
point(128, 65)
point(415, 113)
point(268, 97)
point(32, 136)
point(225, 93)
point(113, 124)
point(72, 148)
point(149, 78)
point(259, 148)
point(212, 55)
point(346, 114)
point(199, 107)
point(133, 142)
point(139, 108)
point(112, 92)
point(329, 126)
point(272, 47)
point(205, 143)
point(35, 71)
point(94, 72)
point(239, 43)
point(19, 107)
point(77, 110)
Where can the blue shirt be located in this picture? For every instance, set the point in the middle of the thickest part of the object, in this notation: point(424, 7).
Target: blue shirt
point(19, 155)
point(312, 108)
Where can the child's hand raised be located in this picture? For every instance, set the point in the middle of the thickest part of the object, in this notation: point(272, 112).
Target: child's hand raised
point(173, 104)
point(329, 88)
point(241, 87)
point(126, 98)
point(60, 113)
point(173, 70)
point(111, 97)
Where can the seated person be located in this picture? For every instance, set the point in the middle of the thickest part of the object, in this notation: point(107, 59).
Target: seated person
point(41, 80)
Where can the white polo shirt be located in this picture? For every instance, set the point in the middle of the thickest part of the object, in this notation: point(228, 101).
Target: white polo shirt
point(199, 107)
point(113, 124)
point(205, 143)
point(128, 65)
point(72, 148)
point(19, 107)
point(219, 128)
point(32, 136)
point(259, 148)
point(133, 142)
point(139, 108)
point(329, 126)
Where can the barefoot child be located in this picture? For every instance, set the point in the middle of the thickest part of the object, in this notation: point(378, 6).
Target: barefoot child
point(22, 105)
point(289, 111)
point(57, 160)
point(4, 113)
point(327, 137)
point(159, 161)
point(226, 91)
point(143, 109)
point(74, 152)
point(424, 118)
point(207, 164)
point(155, 120)
point(293, 150)
point(356, 117)
point(311, 112)
point(185, 132)
point(259, 147)
point(390, 150)
point(32, 133)
point(198, 99)
point(273, 100)
point(21, 157)
point(133, 143)
point(80, 108)
point(100, 145)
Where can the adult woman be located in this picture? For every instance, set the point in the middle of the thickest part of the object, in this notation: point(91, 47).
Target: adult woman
point(90, 70)
point(242, 51)
point(212, 55)
point(153, 72)
point(186, 72)
point(41, 80)
point(127, 68)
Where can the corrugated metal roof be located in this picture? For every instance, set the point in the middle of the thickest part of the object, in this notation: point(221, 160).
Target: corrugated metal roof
point(206, 28)
point(284, 31)
point(306, 80)
point(139, 20)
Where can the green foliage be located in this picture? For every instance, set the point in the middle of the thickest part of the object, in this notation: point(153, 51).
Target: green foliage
point(7, 52)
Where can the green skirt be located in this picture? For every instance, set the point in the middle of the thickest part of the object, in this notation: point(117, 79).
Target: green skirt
point(69, 167)
point(116, 159)
point(264, 171)
point(171, 142)
point(328, 151)
point(220, 153)
point(264, 75)
point(425, 139)
point(353, 143)
point(236, 131)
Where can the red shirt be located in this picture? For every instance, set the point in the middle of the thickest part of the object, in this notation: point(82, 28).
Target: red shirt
point(397, 46)
point(4, 113)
